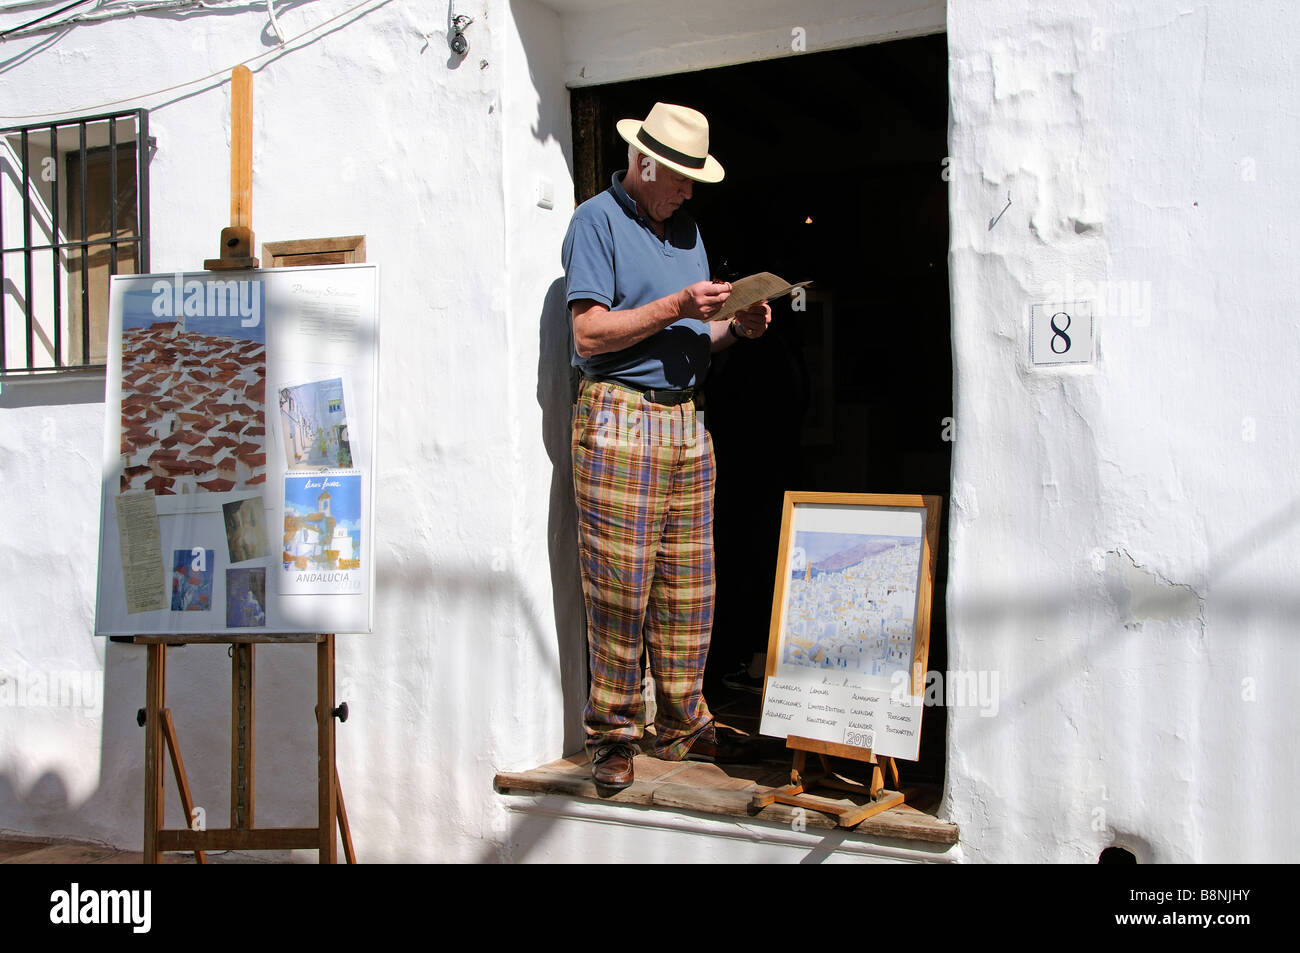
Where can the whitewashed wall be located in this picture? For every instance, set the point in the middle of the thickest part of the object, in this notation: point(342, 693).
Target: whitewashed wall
point(1121, 536)
point(606, 42)
point(477, 664)
point(1124, 537)
point(370, 127)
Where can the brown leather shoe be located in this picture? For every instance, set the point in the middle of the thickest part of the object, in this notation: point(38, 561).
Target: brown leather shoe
point(716, 748)
point(611, 766)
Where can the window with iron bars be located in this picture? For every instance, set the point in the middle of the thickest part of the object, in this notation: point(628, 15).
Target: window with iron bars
point(74, 210)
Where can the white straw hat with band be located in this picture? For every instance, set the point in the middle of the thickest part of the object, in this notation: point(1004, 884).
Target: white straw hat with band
point(677, 137)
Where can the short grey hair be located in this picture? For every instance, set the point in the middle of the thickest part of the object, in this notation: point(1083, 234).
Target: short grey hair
point(634, 157)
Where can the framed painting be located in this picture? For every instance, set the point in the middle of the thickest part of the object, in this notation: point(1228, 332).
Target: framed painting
point(850, 633)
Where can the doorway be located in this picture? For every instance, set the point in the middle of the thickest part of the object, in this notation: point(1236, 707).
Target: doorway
point(835, 173)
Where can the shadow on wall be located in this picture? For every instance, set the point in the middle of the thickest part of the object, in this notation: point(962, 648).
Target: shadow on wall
point(198, 676)
point(378, 741)
point(86, 388)
point(542, 41)
point(407, 580)
point(555, 396)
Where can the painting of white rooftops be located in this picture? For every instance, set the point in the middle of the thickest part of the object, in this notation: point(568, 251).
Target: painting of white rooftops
point(193, 396)
point(851, 603)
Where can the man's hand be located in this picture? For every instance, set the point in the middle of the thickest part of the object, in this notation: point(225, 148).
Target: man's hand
point(753, 321)
point(749, 324)
point(597, 330)
point(704, 299)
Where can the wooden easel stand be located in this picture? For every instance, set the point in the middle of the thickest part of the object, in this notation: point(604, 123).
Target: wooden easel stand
point(242, 833)
point(846, 814)
point(237, 254)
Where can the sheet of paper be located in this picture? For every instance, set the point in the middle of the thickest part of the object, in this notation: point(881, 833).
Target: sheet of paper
point(841, 709)
point(763, 286)
point(142, 563)
point(324, 321)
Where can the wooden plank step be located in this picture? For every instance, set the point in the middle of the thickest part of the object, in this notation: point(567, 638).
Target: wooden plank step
point(902, 822)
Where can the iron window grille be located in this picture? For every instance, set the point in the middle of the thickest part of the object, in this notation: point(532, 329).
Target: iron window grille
point(74, 210)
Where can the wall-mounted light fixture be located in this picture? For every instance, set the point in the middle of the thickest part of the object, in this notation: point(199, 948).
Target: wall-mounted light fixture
point(456, 24)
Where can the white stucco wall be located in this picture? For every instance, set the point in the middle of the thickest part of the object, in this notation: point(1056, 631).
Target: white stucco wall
point(1122, 545)
point(1120, 534)
point(606, 42)
point(371, 127)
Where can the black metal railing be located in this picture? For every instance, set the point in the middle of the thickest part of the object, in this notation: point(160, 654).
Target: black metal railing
point(59, 203)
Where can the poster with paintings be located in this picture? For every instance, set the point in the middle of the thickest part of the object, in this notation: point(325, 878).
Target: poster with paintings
point(230, 398)
point(850, 620)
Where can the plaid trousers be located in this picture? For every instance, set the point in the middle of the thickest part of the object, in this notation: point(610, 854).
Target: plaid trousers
point(643, 481)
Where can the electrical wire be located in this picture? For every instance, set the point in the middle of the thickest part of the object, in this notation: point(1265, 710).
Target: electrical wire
point(279, 51)
point(275, 24)
point(52, 13)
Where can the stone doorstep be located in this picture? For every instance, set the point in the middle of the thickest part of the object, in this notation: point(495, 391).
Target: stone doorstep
point(724, 792)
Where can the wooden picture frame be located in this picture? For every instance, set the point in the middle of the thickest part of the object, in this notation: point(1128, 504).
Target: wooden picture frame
point(850, 633)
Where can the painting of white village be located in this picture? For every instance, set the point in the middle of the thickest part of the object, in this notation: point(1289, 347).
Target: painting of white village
point(315, 425)
point(193, 390)
point(851, 603)
point(322, 531)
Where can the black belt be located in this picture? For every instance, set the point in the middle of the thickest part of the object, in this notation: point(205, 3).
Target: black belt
point(665, 396)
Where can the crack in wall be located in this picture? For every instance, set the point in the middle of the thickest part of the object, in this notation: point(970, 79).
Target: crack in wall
point(1147, 595)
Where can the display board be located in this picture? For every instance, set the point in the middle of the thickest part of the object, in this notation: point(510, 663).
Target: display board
point(850, 630)
point(238, 491)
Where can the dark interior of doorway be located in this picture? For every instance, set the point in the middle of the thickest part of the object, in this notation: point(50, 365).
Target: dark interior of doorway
point(835, 173)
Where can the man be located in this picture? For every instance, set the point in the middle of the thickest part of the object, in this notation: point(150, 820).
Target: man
point(640, 297)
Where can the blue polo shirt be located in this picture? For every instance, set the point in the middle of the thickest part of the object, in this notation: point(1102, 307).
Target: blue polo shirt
point(613, 256)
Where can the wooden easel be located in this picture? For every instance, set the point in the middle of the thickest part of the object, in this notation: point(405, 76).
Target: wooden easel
point(796, 793)
point(237, 254)
point(241, 834)
point(237, 240)
point(846, 814)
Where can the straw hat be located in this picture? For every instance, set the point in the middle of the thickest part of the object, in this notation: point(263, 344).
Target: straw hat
point(676, 136)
